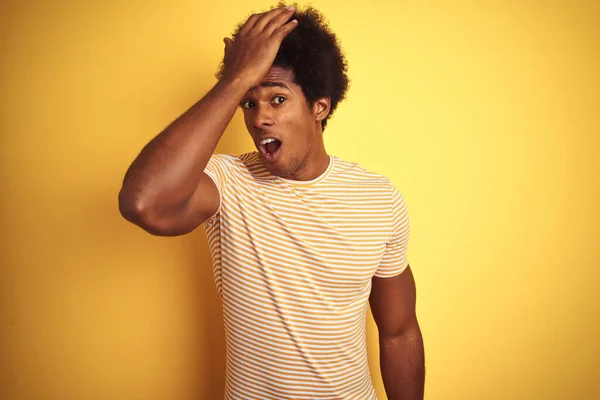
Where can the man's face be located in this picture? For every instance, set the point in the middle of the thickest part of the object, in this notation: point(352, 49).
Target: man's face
point(277, 109)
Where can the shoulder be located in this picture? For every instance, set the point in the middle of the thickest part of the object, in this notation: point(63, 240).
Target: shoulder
point(242, 162)
point(357, 173)
point(251, 161)
point(378, 185)
point(244, 167)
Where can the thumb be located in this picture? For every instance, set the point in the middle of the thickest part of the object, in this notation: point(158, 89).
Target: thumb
point(228, 42)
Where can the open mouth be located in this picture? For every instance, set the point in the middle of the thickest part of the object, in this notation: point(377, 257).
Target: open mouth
point(270, 149)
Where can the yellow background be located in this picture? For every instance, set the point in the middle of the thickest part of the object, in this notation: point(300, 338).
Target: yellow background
point(485, 114)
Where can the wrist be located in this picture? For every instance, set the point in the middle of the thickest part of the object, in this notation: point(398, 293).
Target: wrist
point(236, 83)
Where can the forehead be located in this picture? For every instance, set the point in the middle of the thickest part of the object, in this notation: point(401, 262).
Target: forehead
point(277, 73)
point(277, 77)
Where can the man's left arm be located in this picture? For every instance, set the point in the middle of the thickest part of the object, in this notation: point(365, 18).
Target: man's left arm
point(402, 357)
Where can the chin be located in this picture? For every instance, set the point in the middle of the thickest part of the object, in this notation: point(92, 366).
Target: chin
point(278, 168)
point(275, 169)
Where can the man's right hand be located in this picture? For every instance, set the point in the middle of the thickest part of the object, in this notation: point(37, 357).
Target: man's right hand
point(165, 190)
point(252, 53)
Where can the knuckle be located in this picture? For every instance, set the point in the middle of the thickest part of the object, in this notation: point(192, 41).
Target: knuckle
point(272, 25)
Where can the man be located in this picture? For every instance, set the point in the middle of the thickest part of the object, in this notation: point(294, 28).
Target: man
point(300, 239)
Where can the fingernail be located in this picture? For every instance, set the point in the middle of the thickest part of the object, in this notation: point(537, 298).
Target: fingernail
point(291, 8)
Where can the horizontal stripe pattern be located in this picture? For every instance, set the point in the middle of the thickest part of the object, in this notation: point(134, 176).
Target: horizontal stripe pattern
point(293, 263)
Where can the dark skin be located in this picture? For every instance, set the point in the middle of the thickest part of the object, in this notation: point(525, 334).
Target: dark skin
point(166, 192)
point(401, 351)
point(277, 108)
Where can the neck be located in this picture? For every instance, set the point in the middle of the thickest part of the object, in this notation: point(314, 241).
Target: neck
point(313, 166)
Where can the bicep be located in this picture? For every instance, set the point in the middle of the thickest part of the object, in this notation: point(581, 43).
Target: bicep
point(393, 302)
point(203, 204)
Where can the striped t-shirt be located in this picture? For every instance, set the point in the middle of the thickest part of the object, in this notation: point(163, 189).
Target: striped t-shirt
point(293, 263)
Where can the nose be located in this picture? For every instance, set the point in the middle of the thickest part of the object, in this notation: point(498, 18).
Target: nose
point(263, 116)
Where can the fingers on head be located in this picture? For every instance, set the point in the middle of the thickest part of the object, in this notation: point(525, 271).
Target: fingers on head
point(278, 21)
point(250, 23)
point(276, 16)
point(285, 30)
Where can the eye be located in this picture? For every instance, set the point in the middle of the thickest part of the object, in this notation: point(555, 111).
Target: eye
point(247, 104)
point(279, 99)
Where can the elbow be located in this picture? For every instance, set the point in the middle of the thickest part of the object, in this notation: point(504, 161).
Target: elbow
point(137, 210)
point(141, 211)
point(400, 333)
point(132, 207)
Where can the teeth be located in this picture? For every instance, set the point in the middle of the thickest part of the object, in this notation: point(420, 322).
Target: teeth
point(269, 140)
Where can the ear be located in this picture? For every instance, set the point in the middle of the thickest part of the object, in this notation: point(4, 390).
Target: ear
point(321, 108)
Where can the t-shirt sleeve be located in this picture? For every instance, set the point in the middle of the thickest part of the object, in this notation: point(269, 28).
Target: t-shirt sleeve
point(219, 169)
point(395, 258)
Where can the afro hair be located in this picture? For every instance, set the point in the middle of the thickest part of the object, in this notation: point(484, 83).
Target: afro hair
point(313, 53)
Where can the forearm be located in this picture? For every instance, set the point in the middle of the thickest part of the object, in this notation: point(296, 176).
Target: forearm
point(168, 169)
point(402, 361)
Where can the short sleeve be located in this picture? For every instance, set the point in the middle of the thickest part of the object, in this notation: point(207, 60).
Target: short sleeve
point(395, 258)
point(219, 169)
